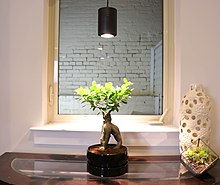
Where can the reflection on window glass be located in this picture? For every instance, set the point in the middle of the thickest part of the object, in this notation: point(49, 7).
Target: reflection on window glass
point(135, 53)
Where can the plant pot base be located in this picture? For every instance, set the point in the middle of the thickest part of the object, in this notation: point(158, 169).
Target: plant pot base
point(108, 163)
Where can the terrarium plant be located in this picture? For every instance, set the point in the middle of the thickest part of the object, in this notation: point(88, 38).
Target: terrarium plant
point(106, 99)
point(199, 157)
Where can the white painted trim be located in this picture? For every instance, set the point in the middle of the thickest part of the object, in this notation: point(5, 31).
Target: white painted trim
point(53, 115)
point(144, 140)
point(95, 126)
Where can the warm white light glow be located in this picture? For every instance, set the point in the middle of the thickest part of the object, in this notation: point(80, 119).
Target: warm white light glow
point(100, 48)
point(107, 35)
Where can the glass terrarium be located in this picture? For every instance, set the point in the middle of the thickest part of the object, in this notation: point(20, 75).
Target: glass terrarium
point(198, 157)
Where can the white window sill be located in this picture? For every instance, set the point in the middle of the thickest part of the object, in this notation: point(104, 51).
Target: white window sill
point(96, 127)
point(141, 139)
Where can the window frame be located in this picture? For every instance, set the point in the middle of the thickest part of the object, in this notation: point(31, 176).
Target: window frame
point(168, 71)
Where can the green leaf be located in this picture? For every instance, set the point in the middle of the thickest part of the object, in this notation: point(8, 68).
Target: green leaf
point(108, 85)
point(105, 98)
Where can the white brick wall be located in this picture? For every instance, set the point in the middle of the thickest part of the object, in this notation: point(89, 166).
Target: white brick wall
point(126, 55)
point(136, 105)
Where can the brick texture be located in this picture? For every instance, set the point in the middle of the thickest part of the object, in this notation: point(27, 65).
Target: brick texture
point(85, 57)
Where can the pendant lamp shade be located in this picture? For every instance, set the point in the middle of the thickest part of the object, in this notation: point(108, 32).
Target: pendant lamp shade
point(107, 22)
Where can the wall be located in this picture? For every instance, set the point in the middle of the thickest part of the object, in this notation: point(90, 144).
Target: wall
point(23, 47)
point(197, 52)
point(85, 57)
point(5, 140)
point(22, 73)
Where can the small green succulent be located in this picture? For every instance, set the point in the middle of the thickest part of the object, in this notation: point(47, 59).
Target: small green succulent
point(199, 155)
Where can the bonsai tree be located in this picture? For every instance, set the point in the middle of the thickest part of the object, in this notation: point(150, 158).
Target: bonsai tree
point(106, 99)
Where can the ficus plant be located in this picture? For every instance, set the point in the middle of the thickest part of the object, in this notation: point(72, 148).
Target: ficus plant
point(105, 98)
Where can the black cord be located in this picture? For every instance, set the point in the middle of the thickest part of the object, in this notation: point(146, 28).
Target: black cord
point(107, 3)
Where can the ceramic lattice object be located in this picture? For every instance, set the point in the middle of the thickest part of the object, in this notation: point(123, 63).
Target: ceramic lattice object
point(195, 115)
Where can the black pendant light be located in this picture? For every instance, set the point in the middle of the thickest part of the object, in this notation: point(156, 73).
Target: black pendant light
point(107, 22)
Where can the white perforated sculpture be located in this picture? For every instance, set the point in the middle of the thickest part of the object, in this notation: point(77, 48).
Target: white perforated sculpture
point(195, 121)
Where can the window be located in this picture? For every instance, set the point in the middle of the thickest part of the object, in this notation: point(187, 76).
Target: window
point(55, 90)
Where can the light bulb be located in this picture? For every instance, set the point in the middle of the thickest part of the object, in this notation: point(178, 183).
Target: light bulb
point(107, 35)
